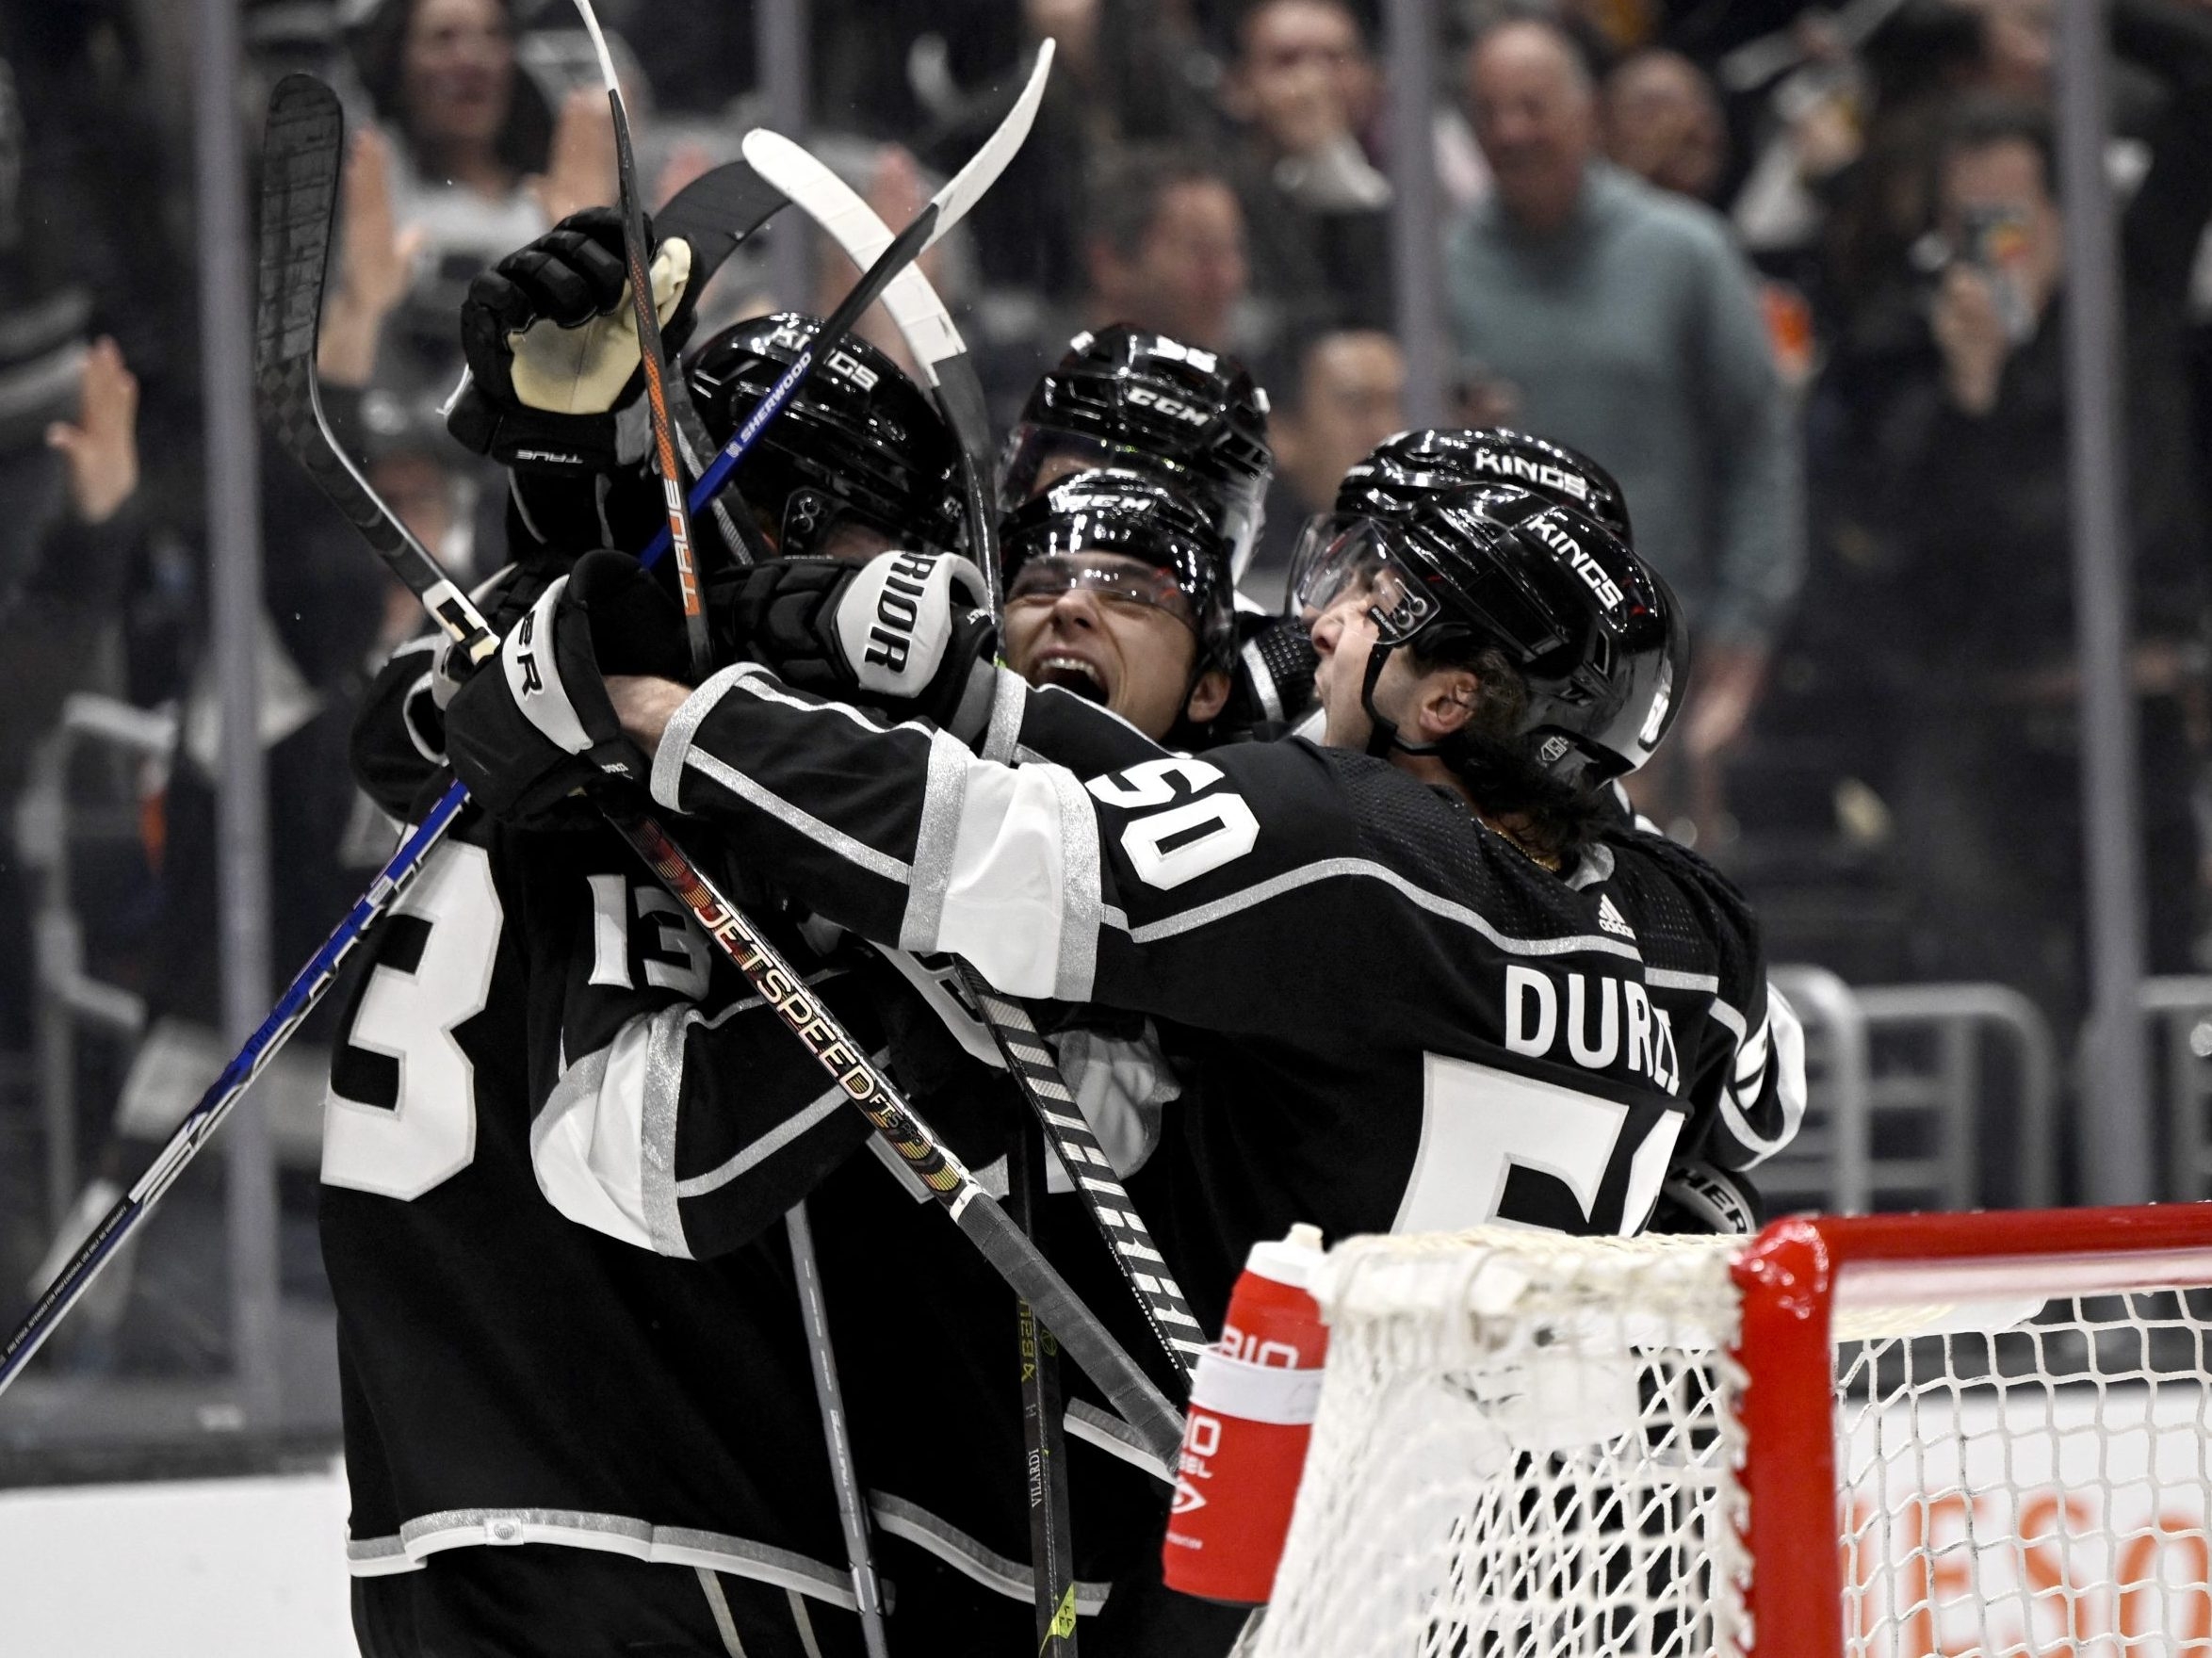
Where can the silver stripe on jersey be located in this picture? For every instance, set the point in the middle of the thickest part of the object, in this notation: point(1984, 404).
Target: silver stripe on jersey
point(956, 1549)
point(1675, 978)
point(944, 795)
point(820, 1109)
point(665, 1032)
point(854, 852)
point(1721, 1011)
point(1009, 702)
point(1081, 898)
point(613, 1533)
point(1365, 869)
point(683, 729)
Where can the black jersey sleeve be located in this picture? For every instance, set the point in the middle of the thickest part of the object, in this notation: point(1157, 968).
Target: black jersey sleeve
point(398, 739)
point(671, 1108)
point(1139, 888)
point(1745, 1077)
point(1032, 723)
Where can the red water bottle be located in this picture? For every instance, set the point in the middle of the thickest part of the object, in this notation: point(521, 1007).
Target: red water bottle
point(1252, 1403)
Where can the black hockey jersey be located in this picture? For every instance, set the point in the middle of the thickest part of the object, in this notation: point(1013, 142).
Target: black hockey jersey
point(1396, 1021)
point(508, 1375)
point(683, 1158)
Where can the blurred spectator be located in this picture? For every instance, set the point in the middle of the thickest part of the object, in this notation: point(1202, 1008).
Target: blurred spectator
point(476, 167)
point(1124, 71)
point(1962, 457)
point(1167, 248)
point(1347, 395)
point(1300, 89)
point(1165, 253)
point(2016, 41)
point(1591, 308)
point(1664, 124)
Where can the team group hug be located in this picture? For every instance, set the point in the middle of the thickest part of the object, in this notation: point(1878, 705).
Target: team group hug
point(1332, 910)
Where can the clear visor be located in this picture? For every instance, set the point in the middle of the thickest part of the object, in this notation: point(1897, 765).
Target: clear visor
point(1110, 576)
point(1343, 557)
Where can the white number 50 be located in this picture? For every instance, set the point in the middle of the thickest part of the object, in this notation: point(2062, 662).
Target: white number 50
point(1208, 831)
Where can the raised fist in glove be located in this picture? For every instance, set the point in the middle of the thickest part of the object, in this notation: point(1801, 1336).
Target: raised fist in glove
point(908, 633)
point(534, 723)
point(551, 338)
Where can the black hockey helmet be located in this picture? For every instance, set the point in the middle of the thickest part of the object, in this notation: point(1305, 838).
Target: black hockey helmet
point(1118, 510)
point(1126, 397)
point(1590, 627)
point(858, 440)
point(1404, 469)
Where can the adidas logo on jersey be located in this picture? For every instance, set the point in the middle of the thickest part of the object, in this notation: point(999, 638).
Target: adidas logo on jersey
point(1612, 920)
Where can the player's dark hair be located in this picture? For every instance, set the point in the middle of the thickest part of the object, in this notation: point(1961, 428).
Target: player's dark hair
point(1555, 817)
point(1979, 121)
point(379, 59)
point(1129, 185)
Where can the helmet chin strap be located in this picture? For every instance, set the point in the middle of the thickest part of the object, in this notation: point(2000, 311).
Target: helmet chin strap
point(1382, 736)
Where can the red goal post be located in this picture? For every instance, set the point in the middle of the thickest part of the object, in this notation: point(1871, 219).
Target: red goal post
point(1895, 1437)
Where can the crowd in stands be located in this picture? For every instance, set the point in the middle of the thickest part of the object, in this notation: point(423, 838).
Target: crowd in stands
point(1799, 290)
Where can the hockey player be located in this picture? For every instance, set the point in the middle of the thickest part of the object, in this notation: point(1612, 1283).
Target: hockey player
point(1517, 1011)
point(1196, 420)
point(1139, 401)
point(645, 1427)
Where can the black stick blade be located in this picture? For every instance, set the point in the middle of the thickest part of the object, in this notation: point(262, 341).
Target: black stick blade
point(300, 162)
point(717, 211)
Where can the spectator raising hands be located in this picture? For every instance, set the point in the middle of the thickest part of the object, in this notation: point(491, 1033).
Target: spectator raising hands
point(101, 449)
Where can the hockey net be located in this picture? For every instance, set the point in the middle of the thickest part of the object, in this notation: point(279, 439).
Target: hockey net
point(1888, 1438)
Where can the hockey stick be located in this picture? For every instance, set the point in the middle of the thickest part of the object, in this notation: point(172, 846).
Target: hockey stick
point(299, 1000)
point(639, 256)
point(944, 210)
point(829, 1396)
point(1045, 1436)
point(930, 335)
point(972, 1209)
point(662, 394)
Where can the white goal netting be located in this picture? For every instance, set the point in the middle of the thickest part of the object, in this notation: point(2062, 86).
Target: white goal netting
point(1528, 1447)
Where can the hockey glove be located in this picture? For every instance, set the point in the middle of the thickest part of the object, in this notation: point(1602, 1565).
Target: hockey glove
point(1698, 1197)
point(535, 723)
point(551, 339)
point(1271, 687)
point(908, 633)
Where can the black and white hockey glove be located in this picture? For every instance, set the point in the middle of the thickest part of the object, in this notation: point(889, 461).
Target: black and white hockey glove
point(1698, 1197)
point(1271, 683)
point(534, 723)
point(552, 344)
point(909, 634)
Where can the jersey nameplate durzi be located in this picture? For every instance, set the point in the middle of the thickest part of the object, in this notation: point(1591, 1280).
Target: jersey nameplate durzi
point(1599, 1023)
